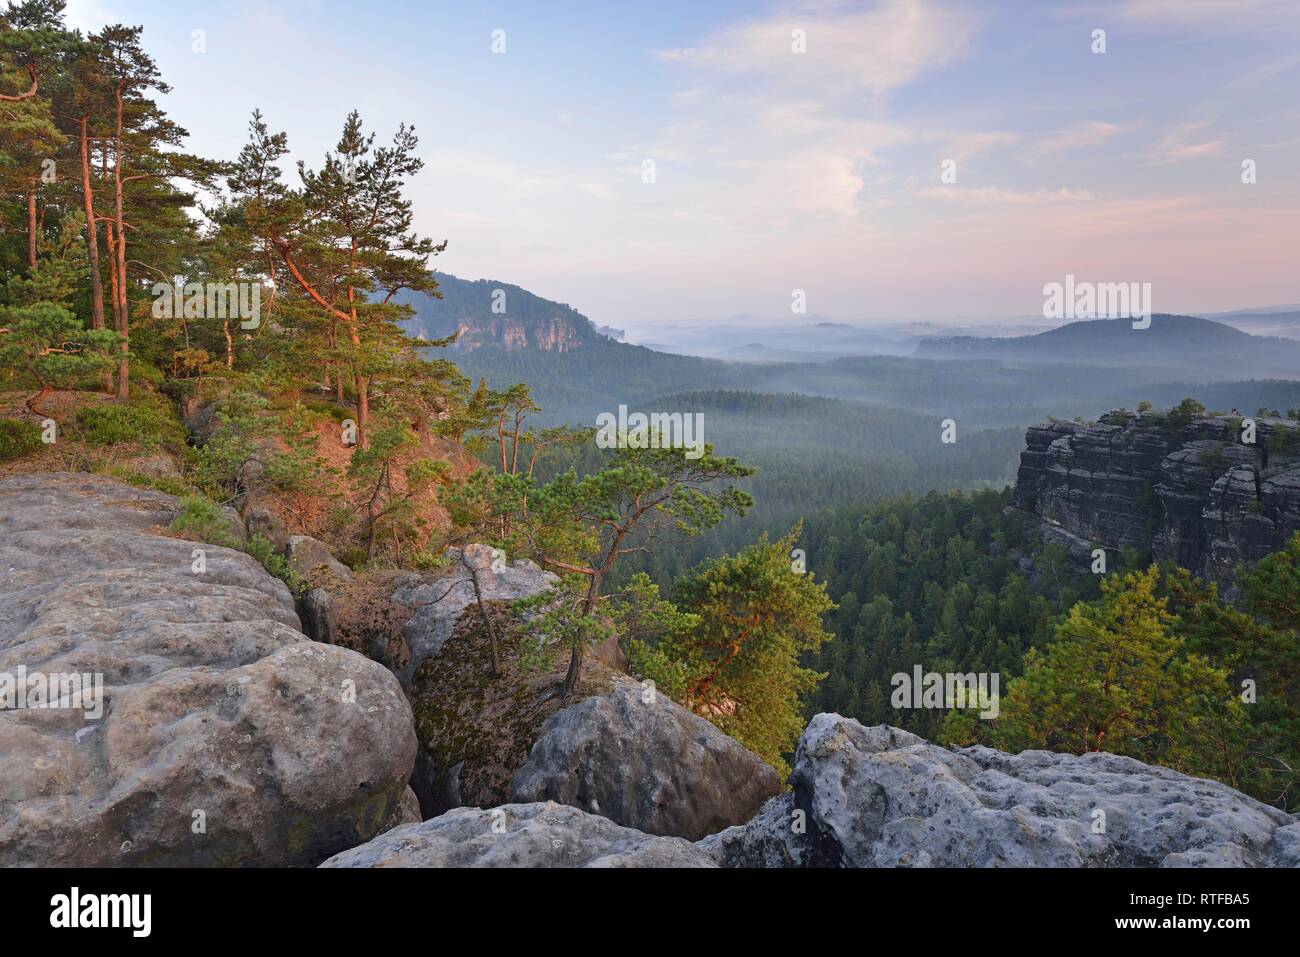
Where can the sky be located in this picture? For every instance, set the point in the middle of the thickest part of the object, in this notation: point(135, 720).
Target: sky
point(793, 146)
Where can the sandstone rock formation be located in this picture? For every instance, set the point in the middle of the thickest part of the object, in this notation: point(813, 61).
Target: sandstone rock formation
point(309, 557)
point(651, 765)
point(439, 602)
point(881, 797)
point(1190, 492)
point(322, 575)
point(226, 736)
point(774, 837)
point(521, 835)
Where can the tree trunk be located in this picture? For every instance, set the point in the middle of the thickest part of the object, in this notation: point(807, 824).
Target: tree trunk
point(123, 369)
point(230, 345)
point(571, 676)
point(363, 408)
point(92, 232)
point(33, 404)
point(110, 246)
point(31, 225)
point(360, 381)
point(119, 315)
point(487, 619)
point(579, 651)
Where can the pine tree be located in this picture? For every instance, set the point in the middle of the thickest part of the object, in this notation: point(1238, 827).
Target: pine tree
point(756, 619)
point(344, 238)
point(1116, 679)
point(582, 526)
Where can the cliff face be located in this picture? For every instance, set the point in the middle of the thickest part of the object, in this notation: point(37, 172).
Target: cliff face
point(489, 313)
point(548, 335)
point(1190, 491)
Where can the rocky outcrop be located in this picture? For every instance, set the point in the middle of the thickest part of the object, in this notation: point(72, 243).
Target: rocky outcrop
point(322, 576)
point(491, 314)
point(554, 334)
point(775, 837)
point(223, 735)
point(439, 602)
point(645, 762)
point(881, 797)
point(1192, 492)
point(310, 559)
point(476, 717)
point(521, 835)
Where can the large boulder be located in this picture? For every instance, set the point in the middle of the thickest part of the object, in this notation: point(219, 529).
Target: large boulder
point(881, 797)
point(646, 762)
point(226, 737)
point(520, 835)
point(311, 559)
point(440, 601)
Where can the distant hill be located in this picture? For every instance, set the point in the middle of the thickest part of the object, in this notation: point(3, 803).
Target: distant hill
point(487, 312)
point(1083, 368)
point(1285, 324)
point(1293, 307)
point(1187, 344)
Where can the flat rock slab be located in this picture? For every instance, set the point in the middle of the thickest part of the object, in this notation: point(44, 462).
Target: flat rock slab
point(226, 737)
point(520, 835)
point(882, 797)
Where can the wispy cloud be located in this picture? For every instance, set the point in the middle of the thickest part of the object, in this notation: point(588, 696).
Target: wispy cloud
point(1235, 14)
point(1181, 144)
point(878, 50)
point(1078, 137)
point(966, 145)
point(997, 196)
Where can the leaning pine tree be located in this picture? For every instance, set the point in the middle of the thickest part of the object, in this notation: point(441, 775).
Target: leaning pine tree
point(582, 526)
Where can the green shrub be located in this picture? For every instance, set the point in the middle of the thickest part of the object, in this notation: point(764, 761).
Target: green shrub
point(18, 438)
point(110, 424)
point(202, 519)
point(159, 483)
point(1184, 412)
point(270, 558)
point(178, 390)
point(328, 409)
point(146, 372)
